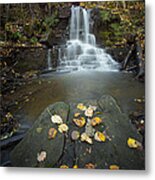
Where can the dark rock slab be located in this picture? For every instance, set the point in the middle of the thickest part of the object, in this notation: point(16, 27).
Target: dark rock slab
point(115, 149)
point(36, 140)
point(64, 151)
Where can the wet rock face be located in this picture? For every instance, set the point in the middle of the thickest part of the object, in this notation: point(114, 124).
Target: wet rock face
point(118, 53)
point(58, 35)
point(65, 150)
point(30, 59)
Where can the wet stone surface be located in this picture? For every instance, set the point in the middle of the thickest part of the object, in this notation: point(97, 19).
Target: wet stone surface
point(63, 150)
point(36, 140)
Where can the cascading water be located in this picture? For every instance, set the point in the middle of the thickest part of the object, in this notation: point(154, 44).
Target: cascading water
point(81, 51)
point(49, 63)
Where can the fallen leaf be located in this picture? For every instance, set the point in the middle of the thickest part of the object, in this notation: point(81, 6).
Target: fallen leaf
point(41, 156)
point(80, 122)
point(63, 128)
point(75, 166)
point(86, 138)
point(39, 129)
point(90, 166)
point(75, 135)
point(64, 166)
point(52, 133)
point(81, 107)
point(114, 167)
point(76, 115)
point(99, 137)
point(132, 143)
point(89, 112)
point(95, 121)
point(138, 100)
point(56, 119)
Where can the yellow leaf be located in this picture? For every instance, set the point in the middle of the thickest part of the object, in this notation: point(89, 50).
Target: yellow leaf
point(113, 167)
point(132, 143)
point(64, 166)
point(76, 115)
point(95, 121)
point(75, 166)
point(63, 128)
point(80, 122)
point(81, 107)
point(99, 137)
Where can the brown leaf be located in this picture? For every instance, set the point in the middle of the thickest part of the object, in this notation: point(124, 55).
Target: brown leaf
point(52, 133)
point(90, 166)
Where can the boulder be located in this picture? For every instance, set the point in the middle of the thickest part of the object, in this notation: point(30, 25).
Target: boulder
point(115, 125)
point(36, 140)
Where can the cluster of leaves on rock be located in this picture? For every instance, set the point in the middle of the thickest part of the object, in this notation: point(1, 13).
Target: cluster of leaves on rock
point(81, 119)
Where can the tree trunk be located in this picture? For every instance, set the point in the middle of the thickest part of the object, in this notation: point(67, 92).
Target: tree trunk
point(126, 61)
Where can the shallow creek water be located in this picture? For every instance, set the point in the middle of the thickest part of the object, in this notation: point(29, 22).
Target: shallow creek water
point(77, 86)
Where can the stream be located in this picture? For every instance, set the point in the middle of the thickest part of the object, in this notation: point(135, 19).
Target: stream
point(77, 86)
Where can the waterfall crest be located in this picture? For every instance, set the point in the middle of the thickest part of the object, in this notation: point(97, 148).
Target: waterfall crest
point(80, 51)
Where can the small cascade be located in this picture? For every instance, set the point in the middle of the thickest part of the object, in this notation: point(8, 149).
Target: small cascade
point(81, 51)
point(49, 61)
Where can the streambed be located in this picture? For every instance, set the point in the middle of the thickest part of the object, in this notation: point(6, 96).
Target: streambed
point(51, 88)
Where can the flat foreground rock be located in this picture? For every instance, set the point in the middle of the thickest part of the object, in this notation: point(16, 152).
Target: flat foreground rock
point(62, 150)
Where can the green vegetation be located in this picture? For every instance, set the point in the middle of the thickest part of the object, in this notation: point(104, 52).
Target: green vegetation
point(119, 21)
point(123, 20)
point(30, 22)
point(27, 23)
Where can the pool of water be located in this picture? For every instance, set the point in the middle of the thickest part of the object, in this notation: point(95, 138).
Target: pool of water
point(82, 85)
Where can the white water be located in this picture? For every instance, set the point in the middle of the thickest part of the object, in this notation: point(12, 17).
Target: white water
point(81, 51)
point(49, 61)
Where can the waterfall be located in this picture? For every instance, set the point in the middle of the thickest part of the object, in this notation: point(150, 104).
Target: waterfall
point(49, 63)
point(81, 51)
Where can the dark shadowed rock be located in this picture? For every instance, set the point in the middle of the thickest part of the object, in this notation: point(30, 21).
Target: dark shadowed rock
point(36, 140)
